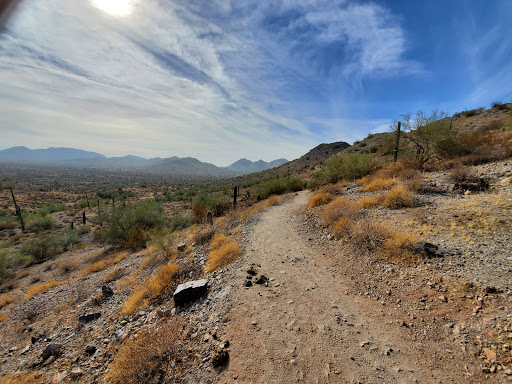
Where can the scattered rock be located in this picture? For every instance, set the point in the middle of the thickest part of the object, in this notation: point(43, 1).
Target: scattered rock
point(89, 317)
point(76, 373)
point(379, 366)
point(190, 291)
point(52, 349)
point(251, 271)
point(262, 279)
point(248, 283)
point(490, 354)
point(220, 357)
point(90, 349)
point(182, 246)
point(443, 298)
point(106, 292)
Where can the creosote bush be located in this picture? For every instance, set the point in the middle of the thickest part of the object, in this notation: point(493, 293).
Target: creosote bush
point(339, 207)
point(224, 250)
point(369, 201)
point(347, 167)
point(280, 185)
point(377, 184)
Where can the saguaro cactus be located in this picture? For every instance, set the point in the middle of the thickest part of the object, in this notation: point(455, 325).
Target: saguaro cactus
point(235, 193)
point(18, 210)
point(83, 217)
point(209, 218)
point(397, 142)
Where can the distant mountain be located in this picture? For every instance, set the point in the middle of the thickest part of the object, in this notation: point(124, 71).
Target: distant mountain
point(188, 166)
point(48, 155)
point(129, 161)
point(244, 166)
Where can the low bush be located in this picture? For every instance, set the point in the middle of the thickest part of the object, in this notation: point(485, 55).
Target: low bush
point(181, 221)
point(100, 265)
point(280, 185)
point(40, 224)
point(40, 248)
point(339, 207)
point(348, 167)
point(47, 209)
point(224, 250)
point(398, 197)
point(319, 199)
point(204, 235)
point(151, 355)
point(273, 200)
point(378, 184)
point(5, 299)
point(369, 201)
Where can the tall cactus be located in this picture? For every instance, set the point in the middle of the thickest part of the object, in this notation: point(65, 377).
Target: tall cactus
point(397, 142)
point(18, 210)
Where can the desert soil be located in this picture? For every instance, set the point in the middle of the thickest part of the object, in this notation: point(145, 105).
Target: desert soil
point(309, 323)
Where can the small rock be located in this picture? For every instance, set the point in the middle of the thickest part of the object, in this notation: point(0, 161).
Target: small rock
point(248, 283)
point(262, 279)
point(443, 298)
point(490, 354)
point(106, 292)
point(491, 290)
point(89, 317)
point(508, 372)
point(182, 246)
point(159, 313)
point(90, 349)
point(190, 291)
point(52, 349)
point(493, 369)
point(76, 373)
point(379, 366)
point(477, 309)
point(251, 271)
point(486, 370)
point(220, 357)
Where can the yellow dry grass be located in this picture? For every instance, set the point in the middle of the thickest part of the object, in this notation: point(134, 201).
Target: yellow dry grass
point(4, 316)
point(319, 199)
point(399, 244)
point(273, 200)
point(42, 287)
point(379, 184)
point(152, 288)
point(22, 378)
point(6, 299)
point(369, 201)
point(153, 349)
point(398, 197)
point(339, 207)
point(342, 226)
point(100, 265)
point(223, 251)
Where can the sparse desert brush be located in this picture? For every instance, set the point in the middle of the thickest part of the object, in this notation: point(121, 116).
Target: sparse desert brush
point(400, 245)
point(461, 173)
point(154, 350)
point(115, 274)
point(339, 207)
point(152, 288)
point(42, 287)
point(164, 240)
point(66, 266)
point(273, 200)
point(100, 265)
point(392, 170)
point(6, 299)
point(369, 201)
point(319, 199)
point(203, 235)
point(224, 251)
point(22, 378)
point(342, 226)
point(379, 184)
point(369, 234)
point(398, 197)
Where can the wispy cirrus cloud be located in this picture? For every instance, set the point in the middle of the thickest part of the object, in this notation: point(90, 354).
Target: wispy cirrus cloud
point(214, 80)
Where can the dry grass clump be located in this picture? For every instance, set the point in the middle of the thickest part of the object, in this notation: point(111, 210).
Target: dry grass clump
point(318, 199)
point(150, 355)
point(369, 201)
point(398, 197)
point(152, 288)
point(339, 207)
point(273, 200)
point(378, 184)
point(3, 318)
point(22, 378)
point(100, 265)
point(400, 245)
point(224, 251)
point(38, 288)
point(6, 299)
point(342, 226)
point(115, 274)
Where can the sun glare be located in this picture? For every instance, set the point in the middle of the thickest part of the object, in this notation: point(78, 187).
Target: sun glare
point(120, 8)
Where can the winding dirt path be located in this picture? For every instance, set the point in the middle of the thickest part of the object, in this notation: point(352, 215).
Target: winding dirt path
point(303, 326)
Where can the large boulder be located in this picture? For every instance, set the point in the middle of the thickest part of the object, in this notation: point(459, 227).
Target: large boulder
point(190, 291)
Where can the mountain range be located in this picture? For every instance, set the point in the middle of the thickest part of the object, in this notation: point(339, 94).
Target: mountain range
point(186, 166)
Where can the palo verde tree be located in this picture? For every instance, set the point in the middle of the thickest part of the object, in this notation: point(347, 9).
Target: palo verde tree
point(428, 134)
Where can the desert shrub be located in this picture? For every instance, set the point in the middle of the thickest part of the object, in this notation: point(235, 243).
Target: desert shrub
point(342, 226)
point(163, 240)
point(22, 378)
point(273, 200)
point(40, 248)
point(115, 274)
point(339, 207)
point(151, 356)
point(204, 203)
point(399, 244)
point(224, 251)
point(461, 173)
point(398, 197)
point(127, 224)
point(319, 199)
point(3, 265)
point(181, 221)
point(151, 288)
point(67, 238)
point(42, 287)
point(473, 112)
point(500, 106)
point(47, 209)
point(83, 229)
point(369, 201)
point(204, 235)
point(40, 224)
point(379, 184)
point(349, 167)
point(280, 185)
point(368, 235)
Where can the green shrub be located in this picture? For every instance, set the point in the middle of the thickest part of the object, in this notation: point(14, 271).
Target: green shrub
point(144, 215)
point(473, 112)
point(181, 220)
point(280, 185)
point(67, 238)
point(40, 248)
point(500, 106)
point(47, 209)
point(348, 167)
point(3, 264)
point(40, 224)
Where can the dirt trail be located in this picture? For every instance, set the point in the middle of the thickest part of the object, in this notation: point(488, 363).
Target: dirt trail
point(303, 326)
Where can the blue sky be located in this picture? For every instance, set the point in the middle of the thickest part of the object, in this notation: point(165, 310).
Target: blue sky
point(219, 80)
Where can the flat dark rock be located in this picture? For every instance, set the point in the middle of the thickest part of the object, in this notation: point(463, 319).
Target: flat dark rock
point(190, 291)
point(89, 317)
